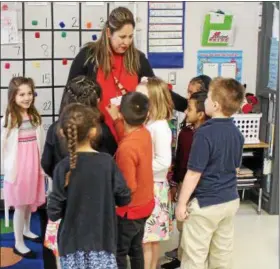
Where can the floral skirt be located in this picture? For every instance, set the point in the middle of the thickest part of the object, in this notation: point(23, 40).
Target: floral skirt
point(89, 260)
point(159, 224)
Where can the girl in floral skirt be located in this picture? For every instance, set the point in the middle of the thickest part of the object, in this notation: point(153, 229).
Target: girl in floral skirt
point(161, 110)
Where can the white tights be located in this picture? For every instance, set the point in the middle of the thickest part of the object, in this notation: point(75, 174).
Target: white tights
point(22, 218)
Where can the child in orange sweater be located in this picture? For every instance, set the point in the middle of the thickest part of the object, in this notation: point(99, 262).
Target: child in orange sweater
point(134, 158)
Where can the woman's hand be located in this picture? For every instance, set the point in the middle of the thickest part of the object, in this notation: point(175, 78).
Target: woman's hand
point(113, 111)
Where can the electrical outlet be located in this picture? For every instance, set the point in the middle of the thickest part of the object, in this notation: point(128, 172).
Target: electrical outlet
point(172, 78)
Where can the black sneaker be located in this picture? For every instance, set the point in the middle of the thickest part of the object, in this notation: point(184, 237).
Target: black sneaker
point(171, 254)
point(175, 264)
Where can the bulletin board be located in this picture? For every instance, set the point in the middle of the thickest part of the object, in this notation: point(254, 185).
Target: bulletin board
point(50, 36)
point(224, 63)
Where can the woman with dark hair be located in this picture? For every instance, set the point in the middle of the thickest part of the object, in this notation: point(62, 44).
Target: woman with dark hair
point(115, 63)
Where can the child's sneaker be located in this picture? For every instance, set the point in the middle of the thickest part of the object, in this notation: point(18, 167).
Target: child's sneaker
point(175, 264)
point(171, 254)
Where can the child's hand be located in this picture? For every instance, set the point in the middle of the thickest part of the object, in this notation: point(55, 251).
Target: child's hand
point(113, 111)
point(144, 79)
point(173, 192)
point(181, 212)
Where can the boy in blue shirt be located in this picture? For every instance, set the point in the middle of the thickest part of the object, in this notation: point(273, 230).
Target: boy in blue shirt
point(209, 198)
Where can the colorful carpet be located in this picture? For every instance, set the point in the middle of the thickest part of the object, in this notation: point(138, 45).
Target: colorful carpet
point(11, 261)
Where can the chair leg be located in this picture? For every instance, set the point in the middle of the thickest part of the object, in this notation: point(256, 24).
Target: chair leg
point(243, 194)
point(260, 201)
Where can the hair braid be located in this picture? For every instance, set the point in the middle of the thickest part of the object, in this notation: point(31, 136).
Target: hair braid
point(72, 144)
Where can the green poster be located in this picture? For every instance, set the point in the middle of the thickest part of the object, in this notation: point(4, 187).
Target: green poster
point(217, 30)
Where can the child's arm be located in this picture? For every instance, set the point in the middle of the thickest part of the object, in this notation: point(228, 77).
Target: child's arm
point(119, 127)
point(162, 148)
point(3, 138)
point(118, 123)
point(126, 160)
point(57, 198)
point(198, 160)
point(190, 182)
point(47, 160)
point(121, 191)
point(107, 142)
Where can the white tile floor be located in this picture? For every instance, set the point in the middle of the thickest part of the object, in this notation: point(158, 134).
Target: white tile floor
point(256, 239)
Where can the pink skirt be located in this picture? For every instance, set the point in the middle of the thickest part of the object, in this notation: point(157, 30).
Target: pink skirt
point(29, 187)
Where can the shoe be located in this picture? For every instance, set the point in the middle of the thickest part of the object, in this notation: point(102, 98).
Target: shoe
point(171, 254)
point(36, 239)
point(29, 255)
point(172, 265)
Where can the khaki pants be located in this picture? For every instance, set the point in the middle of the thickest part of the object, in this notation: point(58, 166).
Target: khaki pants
point(207, 240)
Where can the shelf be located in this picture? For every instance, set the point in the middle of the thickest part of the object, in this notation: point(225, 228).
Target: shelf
point(261, 145)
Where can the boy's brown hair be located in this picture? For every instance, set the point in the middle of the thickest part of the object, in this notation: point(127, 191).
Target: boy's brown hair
point(229, 93)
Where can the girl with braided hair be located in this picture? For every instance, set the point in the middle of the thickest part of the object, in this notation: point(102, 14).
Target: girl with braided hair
point(87, 187)
point(79, 90)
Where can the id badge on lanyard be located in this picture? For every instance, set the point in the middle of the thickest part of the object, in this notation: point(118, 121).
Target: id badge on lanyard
point(117, 100)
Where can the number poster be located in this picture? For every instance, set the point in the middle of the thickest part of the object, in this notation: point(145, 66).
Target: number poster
point(44, 39)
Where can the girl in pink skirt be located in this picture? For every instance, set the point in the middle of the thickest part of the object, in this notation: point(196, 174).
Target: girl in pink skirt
point(22, 141)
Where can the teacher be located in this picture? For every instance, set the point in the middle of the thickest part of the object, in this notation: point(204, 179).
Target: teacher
point(115, 63)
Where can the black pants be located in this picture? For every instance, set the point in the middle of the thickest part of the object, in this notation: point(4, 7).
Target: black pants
point(130, 236)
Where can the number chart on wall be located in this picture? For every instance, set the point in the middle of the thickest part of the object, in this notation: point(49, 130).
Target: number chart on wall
point(41, 39)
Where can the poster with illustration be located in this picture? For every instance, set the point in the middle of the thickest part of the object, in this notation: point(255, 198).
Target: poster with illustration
point(217, 30)
point(224, 63)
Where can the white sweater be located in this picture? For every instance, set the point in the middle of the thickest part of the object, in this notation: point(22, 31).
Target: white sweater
point(162, 155)
point(9, 149)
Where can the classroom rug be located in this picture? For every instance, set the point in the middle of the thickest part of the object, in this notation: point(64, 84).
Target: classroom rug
point(11, 261)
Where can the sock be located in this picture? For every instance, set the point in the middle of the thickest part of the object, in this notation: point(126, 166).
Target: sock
point(18, 230)
point(26, 230)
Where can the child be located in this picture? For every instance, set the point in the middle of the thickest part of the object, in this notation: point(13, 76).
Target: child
point(195, 117)
point(87, 187)
point(161, 110)
point(134, 158)
point(22, 141)
point(209, 199)
point(79, 90)
point(198, 84)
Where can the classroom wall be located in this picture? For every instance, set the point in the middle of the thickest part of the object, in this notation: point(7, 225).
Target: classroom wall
point(246, 38)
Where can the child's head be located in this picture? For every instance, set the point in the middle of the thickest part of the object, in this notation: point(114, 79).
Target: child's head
point(225, 97)
point(134, 108)
point(161, 104)
point(82, 90)
point(79, 124)
point(21, 95)
point(198, 84)
point(195, 113)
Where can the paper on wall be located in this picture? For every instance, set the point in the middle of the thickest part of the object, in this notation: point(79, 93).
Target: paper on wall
point(9, 27)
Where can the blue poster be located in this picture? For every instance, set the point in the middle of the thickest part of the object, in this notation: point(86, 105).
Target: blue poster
point(166, 34)
point(216, 63)
point(273, 64)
